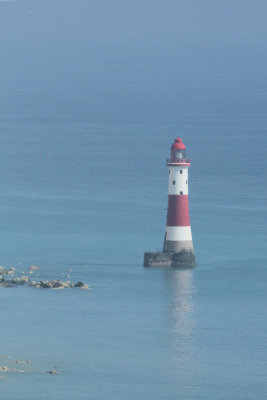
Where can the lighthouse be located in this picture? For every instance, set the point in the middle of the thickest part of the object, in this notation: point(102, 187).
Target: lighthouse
point(178, 247)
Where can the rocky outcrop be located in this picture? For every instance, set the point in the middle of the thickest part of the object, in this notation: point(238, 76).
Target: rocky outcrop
point(20, 281)
point(3, 270)
point(7, 282)
point(57, 284)
point(10, 281)
point(10, 368)
point(4, 368)
point(52, 284)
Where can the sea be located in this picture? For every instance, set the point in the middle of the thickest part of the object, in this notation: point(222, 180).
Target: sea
point(84, 137)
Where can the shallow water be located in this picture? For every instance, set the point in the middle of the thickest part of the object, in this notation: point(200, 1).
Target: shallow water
point(84, 187)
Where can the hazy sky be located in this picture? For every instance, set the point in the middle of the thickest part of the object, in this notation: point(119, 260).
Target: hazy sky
point(114, 21)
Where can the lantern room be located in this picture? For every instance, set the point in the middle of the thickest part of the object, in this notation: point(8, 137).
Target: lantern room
point(178, 150)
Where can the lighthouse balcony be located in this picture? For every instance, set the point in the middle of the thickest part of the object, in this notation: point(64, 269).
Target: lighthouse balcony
point(179, 161)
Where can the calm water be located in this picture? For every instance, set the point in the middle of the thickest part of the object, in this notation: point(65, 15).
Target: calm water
point(98, 201)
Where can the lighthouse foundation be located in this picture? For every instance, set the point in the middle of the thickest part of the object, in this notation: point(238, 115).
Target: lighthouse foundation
point(185, 258)
point(173, 246)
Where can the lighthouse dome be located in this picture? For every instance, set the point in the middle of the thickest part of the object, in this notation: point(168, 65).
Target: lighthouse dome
point(178, 144)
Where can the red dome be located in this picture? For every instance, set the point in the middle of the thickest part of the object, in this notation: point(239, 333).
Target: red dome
point(178, 144)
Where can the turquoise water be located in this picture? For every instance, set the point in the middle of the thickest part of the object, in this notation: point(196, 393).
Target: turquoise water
point(84, 187)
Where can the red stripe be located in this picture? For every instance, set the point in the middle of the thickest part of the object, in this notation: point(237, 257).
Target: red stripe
point(178, 210)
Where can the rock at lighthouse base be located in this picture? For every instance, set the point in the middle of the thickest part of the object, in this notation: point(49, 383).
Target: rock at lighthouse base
point(184, 258)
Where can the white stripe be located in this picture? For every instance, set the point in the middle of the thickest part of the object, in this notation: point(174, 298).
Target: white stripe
point(178, 182)
point(178, 233)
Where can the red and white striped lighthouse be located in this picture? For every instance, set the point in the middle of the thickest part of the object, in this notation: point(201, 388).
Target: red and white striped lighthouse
point(178, 235)
point(178, 246)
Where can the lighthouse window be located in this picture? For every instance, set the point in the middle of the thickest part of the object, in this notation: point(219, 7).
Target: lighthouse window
point(173, 182)
point(186, 181)
point(181, 192)
point(181, 171)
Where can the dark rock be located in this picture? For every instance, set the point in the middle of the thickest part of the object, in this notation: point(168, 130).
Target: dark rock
point(20, 281)
point(57, 284)
point(45, 284)
point(53, 372)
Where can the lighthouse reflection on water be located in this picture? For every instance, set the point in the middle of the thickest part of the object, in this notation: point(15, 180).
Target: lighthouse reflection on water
point(179, 284)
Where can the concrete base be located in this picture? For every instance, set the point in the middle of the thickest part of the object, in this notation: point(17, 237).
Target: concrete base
point(176, 246)
point(185, 258)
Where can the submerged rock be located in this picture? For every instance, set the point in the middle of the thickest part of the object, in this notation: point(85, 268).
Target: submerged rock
point(33, 268)
point(53, 372)
point(23, 362)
